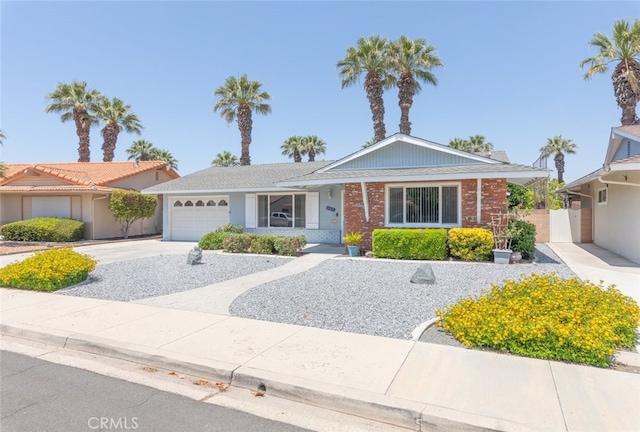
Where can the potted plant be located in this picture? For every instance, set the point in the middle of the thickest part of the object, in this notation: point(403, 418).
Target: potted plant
point(352, 240)
point(503, 231)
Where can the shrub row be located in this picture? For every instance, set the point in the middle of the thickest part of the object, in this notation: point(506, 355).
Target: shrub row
point(231, 238)
point(48, 271)
point(467, 244)
point(422, 244)
point(44, 229)
point(547, 317)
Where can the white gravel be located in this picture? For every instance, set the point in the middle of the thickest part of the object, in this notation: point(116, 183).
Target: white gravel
point(167, 274)
point(369, 296)
point(375, 296)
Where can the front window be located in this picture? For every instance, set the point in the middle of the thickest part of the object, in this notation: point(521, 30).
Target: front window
point(282, 211)
point(602, 196)
point(433, 205)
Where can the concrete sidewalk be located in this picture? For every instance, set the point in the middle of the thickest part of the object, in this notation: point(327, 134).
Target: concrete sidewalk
point(415, 385)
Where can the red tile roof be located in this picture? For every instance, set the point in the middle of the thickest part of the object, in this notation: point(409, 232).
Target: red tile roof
point(90, 174)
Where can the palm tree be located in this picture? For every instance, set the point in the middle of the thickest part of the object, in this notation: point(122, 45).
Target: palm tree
point(459, 144)
point(225, 159)
point(75, 102)
point(293, 147)
point(624, 48)
point(165, 156)
point(477, 144)
point(116, 117)
point(239, 97)
point(412, 61)
point(3, 136)
point(313, 145)
point(474, 144)
point(369, 57)
point(369, 143)
point(558, 147)
point(140, 150)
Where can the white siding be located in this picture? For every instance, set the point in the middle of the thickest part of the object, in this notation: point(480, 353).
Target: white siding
point(313, 210)
point(250, 211)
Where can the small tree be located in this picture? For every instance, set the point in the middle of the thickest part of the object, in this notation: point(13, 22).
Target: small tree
point(130, 206)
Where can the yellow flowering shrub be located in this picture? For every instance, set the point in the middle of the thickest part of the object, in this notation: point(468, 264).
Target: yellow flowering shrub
point(470, 244)
point(547, 317)
point(48, 270)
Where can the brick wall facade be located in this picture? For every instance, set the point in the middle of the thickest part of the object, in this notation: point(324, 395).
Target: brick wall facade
point(493, 195)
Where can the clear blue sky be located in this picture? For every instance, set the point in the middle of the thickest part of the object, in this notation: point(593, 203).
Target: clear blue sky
point(511, 74)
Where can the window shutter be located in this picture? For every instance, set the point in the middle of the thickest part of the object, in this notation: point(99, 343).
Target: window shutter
point(250, 210)
point(313, 210)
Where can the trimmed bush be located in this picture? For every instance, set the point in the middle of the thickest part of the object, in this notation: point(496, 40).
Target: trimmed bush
point(546, 317)
point(213, 240)
point(263, 244)
point(470, 244)
point(524, 239)
point(237, 229)
point(289, 246)
point(48, 271)
point(420, 244)
point(238, 243)
point(44, 229)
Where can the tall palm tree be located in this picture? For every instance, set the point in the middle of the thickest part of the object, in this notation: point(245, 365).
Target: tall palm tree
point(165, 156)
point(75, 102)
point(369, 57)
point(624, 48)
point(3, 136)
point(293, 147)
point(116, 117)
point(140, 150)
point(558, 147)
point(477, 144)
point(239, 97)
point(412, 61)
point(313, 145)
point(225, 159)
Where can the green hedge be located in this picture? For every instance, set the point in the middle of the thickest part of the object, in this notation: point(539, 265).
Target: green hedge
point(421, 244)
point(524, 240)
point(289, 246)
point(44, 229)
point(213, 240)
point(470, 244)
point(238, 243)
point(263, 244)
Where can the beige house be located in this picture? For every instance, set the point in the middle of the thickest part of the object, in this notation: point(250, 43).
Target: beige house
point(80, 190)
point(612, 194)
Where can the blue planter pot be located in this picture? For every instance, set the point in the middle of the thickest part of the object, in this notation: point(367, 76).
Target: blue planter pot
point(354, 250)
point(501, 256)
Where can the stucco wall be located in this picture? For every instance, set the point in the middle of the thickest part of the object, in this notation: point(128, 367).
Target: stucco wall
point(10, 208)
point(616, 223)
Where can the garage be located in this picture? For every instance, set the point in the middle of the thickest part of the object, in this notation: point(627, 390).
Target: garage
point(193, 217)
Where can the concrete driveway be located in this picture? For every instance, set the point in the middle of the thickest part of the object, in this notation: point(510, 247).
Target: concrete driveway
point(120, 250)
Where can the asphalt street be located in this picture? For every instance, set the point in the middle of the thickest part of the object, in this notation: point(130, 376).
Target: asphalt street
point(41, 396)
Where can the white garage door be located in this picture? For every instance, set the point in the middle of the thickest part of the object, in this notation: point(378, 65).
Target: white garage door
point(193, 217)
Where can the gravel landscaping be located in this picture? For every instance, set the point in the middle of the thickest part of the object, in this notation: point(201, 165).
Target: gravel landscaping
point(375, 297)
point(167, 274)
point(370, 296)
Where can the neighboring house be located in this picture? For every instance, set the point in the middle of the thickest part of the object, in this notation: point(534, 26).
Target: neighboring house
point(79, 190)
point(401, 181)
point(611, 195)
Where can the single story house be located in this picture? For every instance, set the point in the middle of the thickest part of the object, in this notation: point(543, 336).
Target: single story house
point(401, 181)
point(80, 190)
point(612, 194)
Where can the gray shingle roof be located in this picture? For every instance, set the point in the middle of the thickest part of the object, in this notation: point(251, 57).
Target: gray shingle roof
point(501, 170)
point(240, 178)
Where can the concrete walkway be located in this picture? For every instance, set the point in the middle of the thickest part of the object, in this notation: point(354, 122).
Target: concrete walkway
point(415, 385)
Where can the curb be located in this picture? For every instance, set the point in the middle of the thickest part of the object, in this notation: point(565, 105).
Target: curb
point(411, 415)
